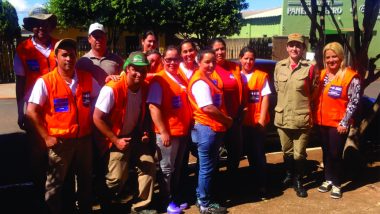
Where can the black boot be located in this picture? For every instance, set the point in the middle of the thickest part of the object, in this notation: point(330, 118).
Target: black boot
point(289, 166)
point(298, 187)
point(297, 182)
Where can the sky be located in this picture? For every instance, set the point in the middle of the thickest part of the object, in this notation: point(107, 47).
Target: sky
point(24, 6)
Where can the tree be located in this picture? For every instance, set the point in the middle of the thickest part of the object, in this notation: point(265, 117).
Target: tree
point(362, 36)
point(81, 13)
point(9, 28)
point(203, 19)
point(117, 15)
point(209, 19)
point(9, 32)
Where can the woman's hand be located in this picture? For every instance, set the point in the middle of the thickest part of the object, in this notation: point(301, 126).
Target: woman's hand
point(112, 77)
point(342, 129)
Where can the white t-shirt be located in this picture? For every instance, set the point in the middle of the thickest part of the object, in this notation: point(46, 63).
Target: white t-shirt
point(187, 72)
point(266, 89)
point(39, 93)
point(155, 90)
point(17, 64)
point(202, 93)
point(106, 101)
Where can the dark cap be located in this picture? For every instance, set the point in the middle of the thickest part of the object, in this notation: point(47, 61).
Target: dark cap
point(67, 42)
point(137, 58)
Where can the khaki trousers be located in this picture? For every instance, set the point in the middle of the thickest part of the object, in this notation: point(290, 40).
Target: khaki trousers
point(294, 142)
point(68, 158)
point(140, 156)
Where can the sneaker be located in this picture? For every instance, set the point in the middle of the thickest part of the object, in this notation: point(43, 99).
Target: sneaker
point(173, 208)
point(198, 203)
point(336, 193)
point(184, 206)
point(213, 208)
point(325, 187)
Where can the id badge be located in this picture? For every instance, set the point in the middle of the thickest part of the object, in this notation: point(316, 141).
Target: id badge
point(86, 97)
point(335, 91)
point(176, 102)
point(33, 65)
point(61, 105)
point(253, 96)
point(217, 100)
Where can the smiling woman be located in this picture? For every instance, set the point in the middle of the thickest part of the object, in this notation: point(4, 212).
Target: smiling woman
point(337, 100)
point(294, 82)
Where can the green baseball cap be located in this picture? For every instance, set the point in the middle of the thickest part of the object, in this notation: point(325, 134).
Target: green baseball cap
point(136, 58)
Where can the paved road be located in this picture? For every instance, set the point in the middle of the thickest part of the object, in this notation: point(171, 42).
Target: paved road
point(8, 115)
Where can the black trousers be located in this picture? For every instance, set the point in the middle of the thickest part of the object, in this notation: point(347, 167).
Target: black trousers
point(254, 140)
point(234, 145)
point(332, 147)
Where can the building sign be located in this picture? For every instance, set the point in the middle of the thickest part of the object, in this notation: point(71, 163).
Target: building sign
point(361, 9)
point(295, 8)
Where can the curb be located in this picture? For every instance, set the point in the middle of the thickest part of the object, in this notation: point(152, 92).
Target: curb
point(8, 91)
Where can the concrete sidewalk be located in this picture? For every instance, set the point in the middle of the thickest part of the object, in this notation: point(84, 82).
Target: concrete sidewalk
point(8, 91)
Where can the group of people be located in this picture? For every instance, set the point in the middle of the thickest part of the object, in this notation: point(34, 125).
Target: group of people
point(102, 116)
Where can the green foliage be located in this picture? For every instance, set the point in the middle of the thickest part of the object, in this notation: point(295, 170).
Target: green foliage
point(9, 28)
point(208, 19)
point(203, 19)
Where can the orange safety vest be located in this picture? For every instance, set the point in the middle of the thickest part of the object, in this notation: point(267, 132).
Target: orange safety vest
point(119, 109)
point(183, 76)
point(152, 73)
point(68, 116)
point(34, 62)
point(332, 99)
point(254, 99)
point(176, 110)
point(217, 99)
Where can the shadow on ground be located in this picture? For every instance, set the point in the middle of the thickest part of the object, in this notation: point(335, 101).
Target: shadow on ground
point(17, 193)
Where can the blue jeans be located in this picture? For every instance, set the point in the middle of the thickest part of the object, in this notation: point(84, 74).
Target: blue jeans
point(208, 143)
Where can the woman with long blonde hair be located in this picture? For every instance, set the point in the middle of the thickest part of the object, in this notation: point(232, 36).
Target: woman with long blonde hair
point(338, 98)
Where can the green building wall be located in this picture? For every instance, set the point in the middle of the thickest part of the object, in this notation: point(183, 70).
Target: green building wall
point(259, 27)
point(294, 19)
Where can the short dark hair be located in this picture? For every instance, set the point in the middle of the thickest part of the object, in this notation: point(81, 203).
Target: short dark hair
point(218, 39)
point(192, 43)
point(169, 48)
point(147, 33)
point(247, 49)
point(202, 53)
point(153, 51)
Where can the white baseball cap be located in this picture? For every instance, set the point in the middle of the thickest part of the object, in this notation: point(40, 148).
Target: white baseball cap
point(96, 26)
